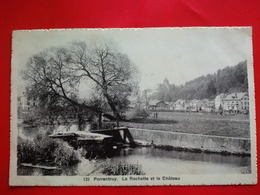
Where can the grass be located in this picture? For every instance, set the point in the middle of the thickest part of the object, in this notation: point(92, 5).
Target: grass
point(195, 123)
point(121, 168)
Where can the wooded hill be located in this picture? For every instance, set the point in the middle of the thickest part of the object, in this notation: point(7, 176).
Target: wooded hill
point(227, 80)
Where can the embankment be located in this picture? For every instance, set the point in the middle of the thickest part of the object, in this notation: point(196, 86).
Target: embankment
point(193, 142)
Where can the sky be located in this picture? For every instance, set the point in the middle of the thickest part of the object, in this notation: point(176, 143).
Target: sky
point(178, 54)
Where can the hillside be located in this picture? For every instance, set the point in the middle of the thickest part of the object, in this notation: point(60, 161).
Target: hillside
point(227, 80)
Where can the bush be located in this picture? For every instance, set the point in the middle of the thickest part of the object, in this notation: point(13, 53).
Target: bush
point(46, 151)
point(141, 113)
point(65, 155)
point(122, 169)
point(26, 151)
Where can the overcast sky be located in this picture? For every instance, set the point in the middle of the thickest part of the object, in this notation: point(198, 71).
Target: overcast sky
point(180, 54)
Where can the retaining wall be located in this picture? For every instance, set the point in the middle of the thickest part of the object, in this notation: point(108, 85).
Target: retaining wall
point(193, 141)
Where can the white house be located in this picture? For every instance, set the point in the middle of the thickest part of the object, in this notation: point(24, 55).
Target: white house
point(236, 102)
point(180, 105)
point(219, 101)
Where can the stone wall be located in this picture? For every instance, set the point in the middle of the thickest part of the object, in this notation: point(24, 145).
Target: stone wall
point(193, 141)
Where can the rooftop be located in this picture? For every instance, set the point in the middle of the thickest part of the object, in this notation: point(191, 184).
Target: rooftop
point(235, 96)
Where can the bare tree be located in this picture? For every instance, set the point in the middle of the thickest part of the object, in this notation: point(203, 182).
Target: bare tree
point(54, 77)
point(110, 70)
point(50, 80)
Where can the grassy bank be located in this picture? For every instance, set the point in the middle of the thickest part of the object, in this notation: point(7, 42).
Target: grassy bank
point(196, 123)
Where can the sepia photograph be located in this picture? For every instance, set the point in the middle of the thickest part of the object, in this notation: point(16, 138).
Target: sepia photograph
point(122, 107)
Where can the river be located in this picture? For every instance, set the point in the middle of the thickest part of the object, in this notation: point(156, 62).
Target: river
point(154, 161)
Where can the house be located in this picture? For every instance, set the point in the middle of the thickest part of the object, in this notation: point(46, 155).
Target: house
point(161, 105)
point(195, 105)
point(219, 101)
point(158, 105)
point(25, 105)
point(170, 105)
point(236, 103)
point(180, 105)
point(208, 106)
point(152, 104)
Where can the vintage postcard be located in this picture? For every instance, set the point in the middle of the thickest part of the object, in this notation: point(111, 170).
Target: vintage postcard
point(124, 107)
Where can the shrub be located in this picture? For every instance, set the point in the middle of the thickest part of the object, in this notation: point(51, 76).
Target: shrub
point(26, 151)
point(65, 154)
point(46, 151)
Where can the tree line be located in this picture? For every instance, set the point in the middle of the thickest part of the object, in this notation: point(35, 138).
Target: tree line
point(227, 80)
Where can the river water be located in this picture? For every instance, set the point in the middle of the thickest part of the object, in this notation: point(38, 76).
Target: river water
point(154, 161)
point(160, 162)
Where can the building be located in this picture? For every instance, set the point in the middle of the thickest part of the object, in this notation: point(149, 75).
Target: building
point(200, 105)
point(195, 105)
point(236, 103)
point(161, 105)
point(180, 105)
point(170, 105)
point(25, 105)
point(158, 105)
point(219, 101)
point(208, 106)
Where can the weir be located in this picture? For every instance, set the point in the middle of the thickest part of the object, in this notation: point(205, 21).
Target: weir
point(116, 134)
point(77, 138)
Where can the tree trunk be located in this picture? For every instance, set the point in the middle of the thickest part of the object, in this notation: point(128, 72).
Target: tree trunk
point(112, 106)
point(100, 121)
point(117, 120)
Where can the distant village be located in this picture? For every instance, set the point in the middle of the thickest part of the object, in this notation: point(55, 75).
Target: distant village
point(223, 103)
point(237, 103)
